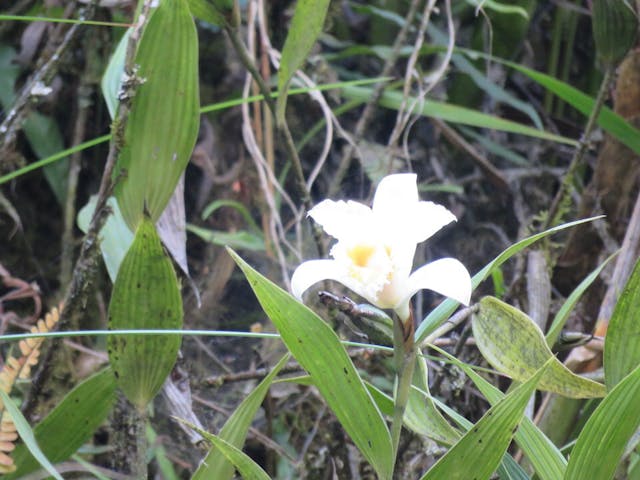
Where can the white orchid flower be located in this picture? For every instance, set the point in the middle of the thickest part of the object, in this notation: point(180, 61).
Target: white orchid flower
point(375, 248)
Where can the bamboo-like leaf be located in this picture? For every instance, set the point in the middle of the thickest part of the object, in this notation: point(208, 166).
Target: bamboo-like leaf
point(545, 457)
point(163, 122)
point(306, 25)
point(603, 439)
point(70, 424)
point(234, 432)
point(513, 344)
point(145, 295)
point(248, 469)
point(622, 342)
point(455, 114)
point(446, 308)
point(112, 77)
point(479, 452)
point(319, 351)
point(27, 436)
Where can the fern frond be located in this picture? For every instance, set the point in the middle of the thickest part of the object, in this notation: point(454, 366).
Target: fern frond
point(20, 368)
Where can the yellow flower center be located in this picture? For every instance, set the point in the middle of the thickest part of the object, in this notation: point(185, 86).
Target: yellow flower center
point(361, 254)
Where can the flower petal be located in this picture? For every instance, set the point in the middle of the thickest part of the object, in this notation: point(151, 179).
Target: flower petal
point(446, 276)
point(394, 190)
point(314, 271)
point(342, 219)
point(428, 218)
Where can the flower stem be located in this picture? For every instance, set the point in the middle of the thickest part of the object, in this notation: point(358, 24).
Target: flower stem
point(404, 353)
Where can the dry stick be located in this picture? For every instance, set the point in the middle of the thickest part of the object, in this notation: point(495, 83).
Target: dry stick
point(86, 265)
point(289, 144)
point(564, 192)
point(367, 113)
point(12, 123)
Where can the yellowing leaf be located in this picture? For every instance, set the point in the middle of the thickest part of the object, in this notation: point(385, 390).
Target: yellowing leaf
point(514, 345)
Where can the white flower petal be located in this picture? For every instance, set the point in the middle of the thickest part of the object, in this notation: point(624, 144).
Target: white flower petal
point(428, 218)
point(342, 219)
point(395, 190)
point(314, 271)
point(446, 276)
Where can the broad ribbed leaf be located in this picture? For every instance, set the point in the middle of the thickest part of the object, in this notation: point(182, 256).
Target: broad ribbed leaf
point(480, 450)
point(319, 351)
point(163, 123)
point(145, 295)
point(70, 424)
point(545, 457)
point(217, 463)
point(514, 345)
point(603, 439)
point(622, 342)
point(306, 25)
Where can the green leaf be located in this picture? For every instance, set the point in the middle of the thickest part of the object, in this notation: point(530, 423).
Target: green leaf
point(206, 11)
point(217, 463)
point(115, 237)
point(112, 77)
point(306, 25)
point(545, 457)
point(163, 122)
point(145, 295)
point(563, 314)
point(455, 114)
point(513, 344)
point(479, 452)
point(421, 414)
point(240, 240)
point(439, 315)
point(26, 434)
point(248, 469)
point(319, 351)
point(610, 121)
point(603, 439)
point(70, 424)
point(622, 342)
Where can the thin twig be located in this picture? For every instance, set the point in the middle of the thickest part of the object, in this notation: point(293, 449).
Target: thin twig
point(367, 113)
point(33, 88)
point(564, 192)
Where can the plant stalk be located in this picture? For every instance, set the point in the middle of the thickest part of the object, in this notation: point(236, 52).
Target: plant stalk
point(564, 192)
point(404, 353)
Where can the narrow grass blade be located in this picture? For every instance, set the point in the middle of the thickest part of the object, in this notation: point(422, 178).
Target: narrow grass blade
point(234, 432)
point(456, 114)
point(567, 307)
point(26, 434)
point(319, 351)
